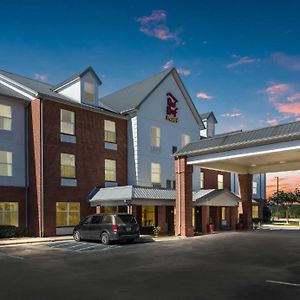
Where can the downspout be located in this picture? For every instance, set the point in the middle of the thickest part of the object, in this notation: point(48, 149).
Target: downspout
point(179, 197)
point(26, 169)
point(42, 170)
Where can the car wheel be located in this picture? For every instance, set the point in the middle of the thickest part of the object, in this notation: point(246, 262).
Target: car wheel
point(76, 236)
point(105, 238)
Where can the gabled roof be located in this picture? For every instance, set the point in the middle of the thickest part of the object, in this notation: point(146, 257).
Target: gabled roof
point(37, 89)
point(206, 115)
point(75, 76)
point(215, 197)
point(244, 139)
point(130, 98)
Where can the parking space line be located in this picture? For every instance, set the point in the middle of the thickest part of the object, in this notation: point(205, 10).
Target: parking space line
point(12, 256)
point(86, 248)
point(284, 283)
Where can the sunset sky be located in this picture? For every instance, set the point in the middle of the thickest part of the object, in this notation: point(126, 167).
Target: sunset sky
point(240, 59)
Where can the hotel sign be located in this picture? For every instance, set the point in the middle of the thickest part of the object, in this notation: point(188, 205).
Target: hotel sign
point(171, 108)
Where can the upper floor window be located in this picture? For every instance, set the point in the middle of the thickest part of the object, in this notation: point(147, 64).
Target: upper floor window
point(9, 213)
point(5, 163)
point(110, 131)
point(89, 92)
point(201, 180)
point(5, 117)
point(155, 173)
point(67, 122)
point(67, 165)
point(185, 139)
point(110, 170)
point(254, 188)
point(220, 181)
point(155, 137)
point(174, 149)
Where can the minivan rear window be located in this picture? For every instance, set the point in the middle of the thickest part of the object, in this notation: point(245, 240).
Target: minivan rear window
point(125, 219)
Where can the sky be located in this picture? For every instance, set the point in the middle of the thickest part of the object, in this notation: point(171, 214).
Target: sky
point(239, 59)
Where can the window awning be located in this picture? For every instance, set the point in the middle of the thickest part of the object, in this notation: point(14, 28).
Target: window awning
point(215, 197)
point(133, 195)
point(137, 195)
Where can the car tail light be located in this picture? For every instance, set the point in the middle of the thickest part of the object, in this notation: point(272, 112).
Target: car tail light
point(114, 227)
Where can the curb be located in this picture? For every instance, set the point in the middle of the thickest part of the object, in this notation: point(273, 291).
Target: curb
point(33, 241)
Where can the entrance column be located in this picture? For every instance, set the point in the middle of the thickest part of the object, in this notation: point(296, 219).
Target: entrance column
point(245, 181)
point(161, 218)
point(204, 218)
point(184, 181)
point(233, 217)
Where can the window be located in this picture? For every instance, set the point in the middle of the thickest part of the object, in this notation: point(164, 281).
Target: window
point(67, 213)
point(155, 173)
point(255, 213)
point(169, 184)
point(96, 220)
point(5, 117)
point(174, 184)
point(89, 92)
point(254, 188)
point(220, 181)
point(155, 137)
point(67, 122)
point(5, 163)
point(185, 139)
point(193, 217)
point(174, 149)
point(110, 131)
point(67, 165)
point(107, 219)
point(9, 213)
point(148, 216)
point(223, 213)
point(109, 209)
point(110, 170)
point(201, 180)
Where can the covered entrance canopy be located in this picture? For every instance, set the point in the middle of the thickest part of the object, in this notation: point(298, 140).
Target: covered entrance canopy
point(270, 149)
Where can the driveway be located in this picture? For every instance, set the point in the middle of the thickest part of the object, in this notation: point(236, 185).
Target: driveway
point(234, 265)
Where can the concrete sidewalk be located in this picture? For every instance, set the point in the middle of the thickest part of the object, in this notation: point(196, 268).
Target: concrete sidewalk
point(36, 240)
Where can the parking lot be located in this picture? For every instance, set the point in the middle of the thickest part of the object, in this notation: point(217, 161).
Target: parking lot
point(233, 265)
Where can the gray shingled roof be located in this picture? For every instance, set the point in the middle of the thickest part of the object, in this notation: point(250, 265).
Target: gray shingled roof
point(5, 91)
point(42, 88)
point(78, 75)
point(132, 96)
point(215, 197)
point(257, 137)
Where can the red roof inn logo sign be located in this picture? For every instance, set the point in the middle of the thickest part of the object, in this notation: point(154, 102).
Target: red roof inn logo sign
point(171, 108)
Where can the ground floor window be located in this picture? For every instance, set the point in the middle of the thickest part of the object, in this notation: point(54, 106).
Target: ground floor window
point(223, 213)
point(9, 213)
point(67, 213)
point(109, 209)
point(255, 213)
point(193, 217)
point(148, 216)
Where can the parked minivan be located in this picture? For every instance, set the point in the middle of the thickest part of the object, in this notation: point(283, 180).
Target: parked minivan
point(107, 227)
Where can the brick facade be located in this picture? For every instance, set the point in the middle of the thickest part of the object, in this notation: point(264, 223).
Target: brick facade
point(211, 179)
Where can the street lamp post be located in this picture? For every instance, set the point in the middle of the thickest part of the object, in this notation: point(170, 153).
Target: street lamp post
point(277, 190)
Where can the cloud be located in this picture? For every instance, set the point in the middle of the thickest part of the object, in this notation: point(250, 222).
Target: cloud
point(155, 26)
point(245, 60)
point(169, 64)
point(156, 15)
point(204, 96)
point(41, 77)
point(294, 97)
point(292, 109)
point(233, 114)
point(272, 122)
point(287, 61)
point(184, 72)
point(275, 91)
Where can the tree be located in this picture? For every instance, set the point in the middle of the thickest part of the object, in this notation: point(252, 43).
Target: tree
point(286, 200)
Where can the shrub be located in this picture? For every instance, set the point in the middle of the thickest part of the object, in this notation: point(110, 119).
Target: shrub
point(7, 231)
point(267, 214)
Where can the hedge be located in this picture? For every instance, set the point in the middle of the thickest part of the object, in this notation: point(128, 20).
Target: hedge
point(7, 231)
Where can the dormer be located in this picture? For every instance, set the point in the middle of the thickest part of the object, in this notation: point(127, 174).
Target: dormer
point(209, 121)
point(82, 87)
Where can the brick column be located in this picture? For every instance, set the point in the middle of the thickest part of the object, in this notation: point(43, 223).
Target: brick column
point(183, 173)
point(204, 218)
point(245, 181)
point(161, 218)
point(233, 217)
